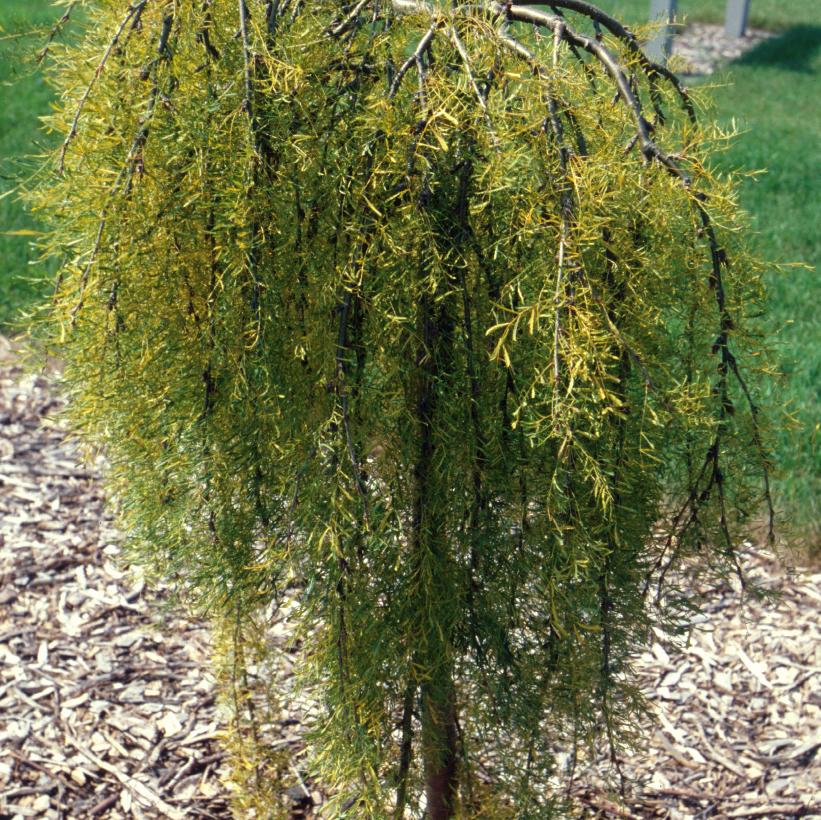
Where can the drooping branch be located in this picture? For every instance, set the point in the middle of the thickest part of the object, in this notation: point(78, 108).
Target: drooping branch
point(480, 95)
point(521, 12)
point(653, 152)
point(204, 34)
point(133, 14)
point(652, 69)
point(341, 388)
point(55, 30)
point(524, 13)
point(405, 750)
point(414, 59)
point(607, 60)
point(133, 160)
point(246, 59)
point(350, 21)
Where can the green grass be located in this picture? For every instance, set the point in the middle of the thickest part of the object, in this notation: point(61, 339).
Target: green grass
point(773, 97)
point(23, 98)
point(773, 15)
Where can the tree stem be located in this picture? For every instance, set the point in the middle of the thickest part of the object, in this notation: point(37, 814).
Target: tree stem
point(439, 747)
point(439, 734)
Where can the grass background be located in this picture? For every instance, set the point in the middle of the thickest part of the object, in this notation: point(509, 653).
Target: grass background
point(23, 98)
point(773, 94)
point(773, 15)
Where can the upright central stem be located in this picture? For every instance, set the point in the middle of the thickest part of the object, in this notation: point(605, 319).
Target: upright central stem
point(439, 735)
point(439, 740)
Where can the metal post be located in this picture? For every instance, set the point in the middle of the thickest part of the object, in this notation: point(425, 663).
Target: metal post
point(659, 47)
point(735, 17)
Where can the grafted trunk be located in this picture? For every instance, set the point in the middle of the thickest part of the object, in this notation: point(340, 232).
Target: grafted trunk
point(439, 736)
point(439, 748)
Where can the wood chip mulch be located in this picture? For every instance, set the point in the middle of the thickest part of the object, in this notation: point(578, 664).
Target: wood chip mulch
point(107, 710)
point(700, 48)
point(104, 711)
point(737, 709)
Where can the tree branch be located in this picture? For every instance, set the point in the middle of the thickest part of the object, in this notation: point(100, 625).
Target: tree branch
point(134, 13)
point(56, 28)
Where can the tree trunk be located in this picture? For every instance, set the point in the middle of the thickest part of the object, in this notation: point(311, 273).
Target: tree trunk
point(439, 749)
point(439, 735)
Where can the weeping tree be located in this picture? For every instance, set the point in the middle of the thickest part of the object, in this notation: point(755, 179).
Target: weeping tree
point(428, 321)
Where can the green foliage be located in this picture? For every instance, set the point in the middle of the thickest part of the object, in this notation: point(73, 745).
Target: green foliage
point(390, 313)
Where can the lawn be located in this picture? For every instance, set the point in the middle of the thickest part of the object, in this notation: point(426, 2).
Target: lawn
point(23, 98)
point(773, 15)
point(772, 93)
point(774, 97)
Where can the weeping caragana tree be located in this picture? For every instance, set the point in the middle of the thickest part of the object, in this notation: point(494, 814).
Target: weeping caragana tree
point(427, 319)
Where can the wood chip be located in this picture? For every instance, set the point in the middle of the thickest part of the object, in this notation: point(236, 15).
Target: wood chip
point(78, 651)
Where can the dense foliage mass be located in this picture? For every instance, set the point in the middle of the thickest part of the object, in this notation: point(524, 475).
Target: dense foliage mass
point(419, 317)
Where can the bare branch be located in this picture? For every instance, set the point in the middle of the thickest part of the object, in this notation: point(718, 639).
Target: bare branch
point(350, 20)
point(414, 59)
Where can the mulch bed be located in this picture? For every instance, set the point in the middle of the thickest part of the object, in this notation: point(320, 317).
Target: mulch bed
point(737, 708)
point(700, 48)
point(106, 709)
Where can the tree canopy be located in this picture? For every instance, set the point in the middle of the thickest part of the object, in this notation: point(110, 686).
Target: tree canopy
point(425, 319)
